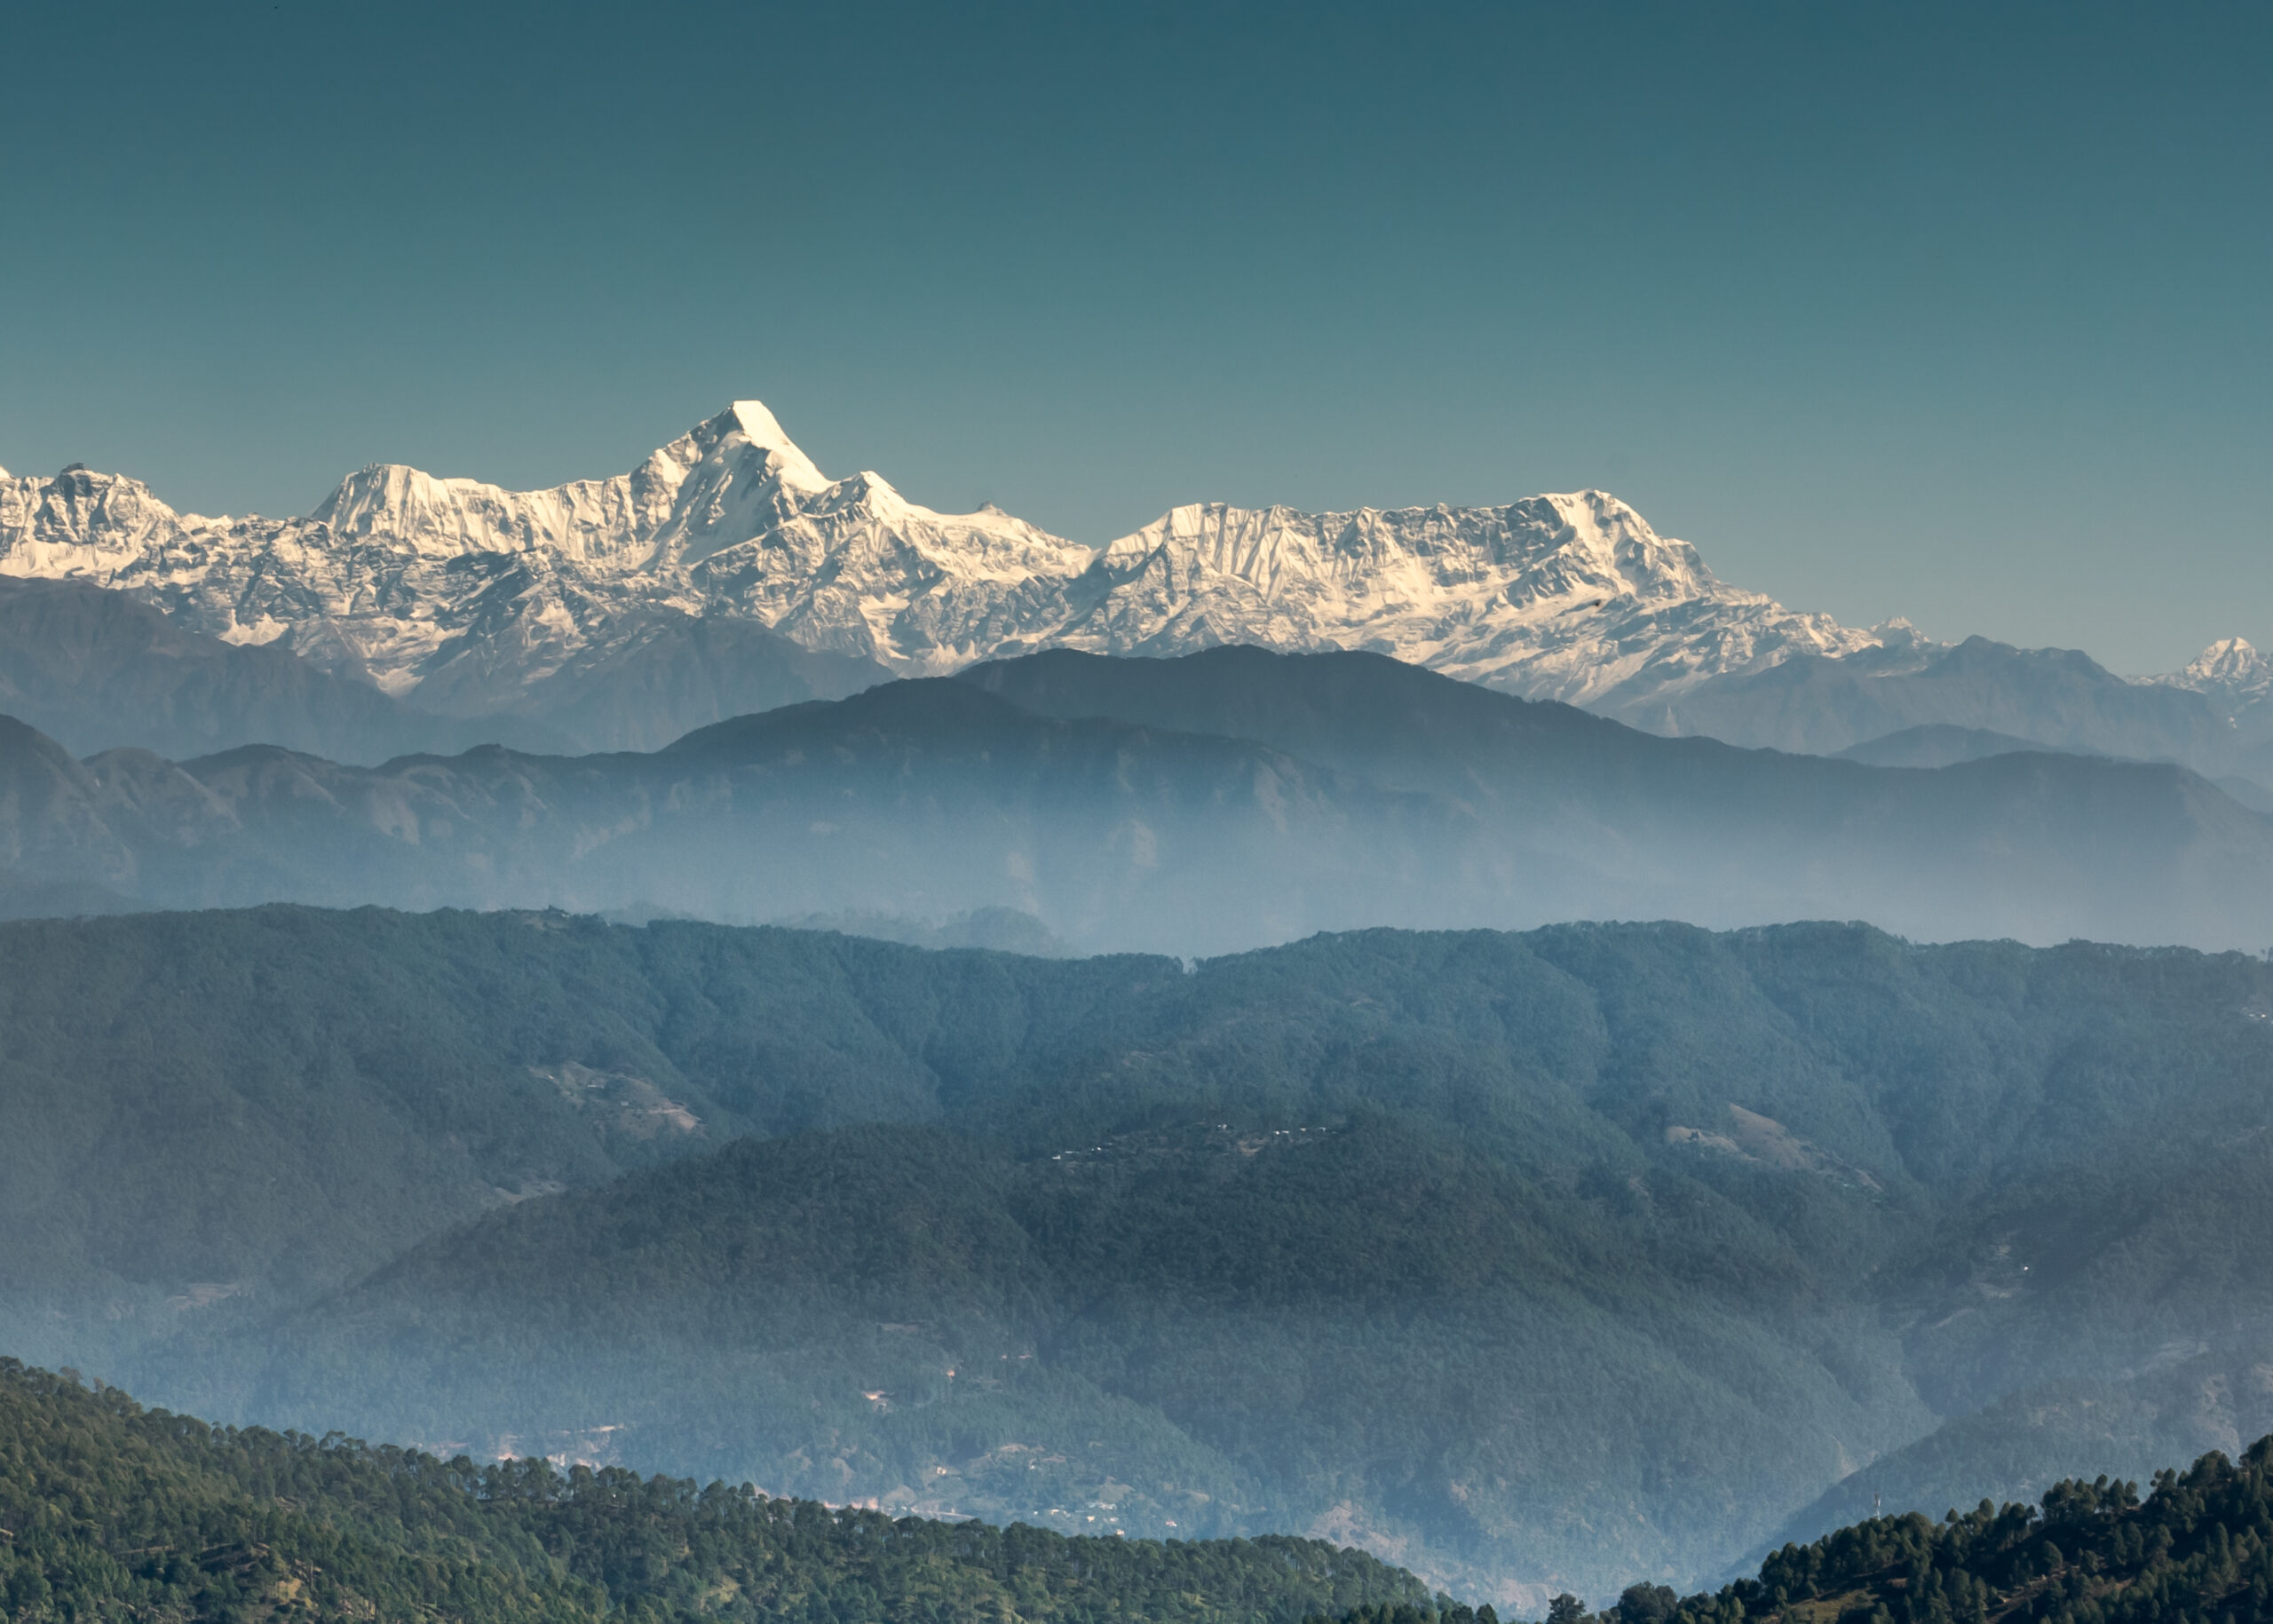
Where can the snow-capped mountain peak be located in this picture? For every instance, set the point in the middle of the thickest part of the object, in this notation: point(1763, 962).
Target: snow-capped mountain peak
point(79, 523)
point(719, 483)
point(454, 590)
point(1601, 537)
point(1541, 548)
point(760, 427)
point(1568, 596)
point(2228, 660)
point(2230, 672)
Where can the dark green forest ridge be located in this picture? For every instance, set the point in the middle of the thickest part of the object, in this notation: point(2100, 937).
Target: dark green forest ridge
point(111, 1511)
point(1531, 1262)
point(2199, 1550)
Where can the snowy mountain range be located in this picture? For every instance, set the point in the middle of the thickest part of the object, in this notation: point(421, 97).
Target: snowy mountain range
point(727, 573)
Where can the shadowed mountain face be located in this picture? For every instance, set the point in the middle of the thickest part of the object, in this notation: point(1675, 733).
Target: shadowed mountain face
point(1406, 728)
point(575, 607)
point(1219, 801)
point(462, 594)
point(1938, 744)
point(97, 669)
point(1691, 828)
point(1547, 1261)
point(50, 831)
point(659, 676)
point(2059, 697)
point(923, 799)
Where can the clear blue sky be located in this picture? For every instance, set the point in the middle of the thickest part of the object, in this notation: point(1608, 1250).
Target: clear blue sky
point(1958, 312)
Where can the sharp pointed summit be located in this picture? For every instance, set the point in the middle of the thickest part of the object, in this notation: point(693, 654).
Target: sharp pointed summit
point(410, 580)
point(468, 598)
point(2229, 673)
point(763, 429)
point(2227, 660)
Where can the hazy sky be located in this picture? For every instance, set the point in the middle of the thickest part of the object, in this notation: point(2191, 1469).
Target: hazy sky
point(1957, 313)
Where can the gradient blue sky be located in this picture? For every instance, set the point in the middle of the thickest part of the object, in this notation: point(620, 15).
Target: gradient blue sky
point(1958, 312)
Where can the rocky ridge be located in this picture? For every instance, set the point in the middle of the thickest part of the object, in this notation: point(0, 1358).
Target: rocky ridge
point(2230, 672)
point(461, 593)
point(610, 602)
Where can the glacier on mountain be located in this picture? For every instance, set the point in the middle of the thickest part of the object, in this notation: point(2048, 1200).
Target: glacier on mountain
point(454, 592)
point(466, 597)
point(2230, 672)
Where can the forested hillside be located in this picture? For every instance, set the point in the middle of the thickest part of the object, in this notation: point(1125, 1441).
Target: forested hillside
point(1540, 1261)
point(111, 1511)
point(2200, 1549)
point(108, 1510)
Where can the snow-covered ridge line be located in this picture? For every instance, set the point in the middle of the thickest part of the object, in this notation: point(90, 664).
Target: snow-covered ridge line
point(2229, 671)
point(463, 593)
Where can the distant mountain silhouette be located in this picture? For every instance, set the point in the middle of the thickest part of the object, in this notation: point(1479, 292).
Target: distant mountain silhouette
point(97, 669)
point(2060, 698)
point(1941, 744)
point(1220, 801)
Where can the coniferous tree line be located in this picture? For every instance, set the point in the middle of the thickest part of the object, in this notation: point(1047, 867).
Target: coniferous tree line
point(2197, 1550)
point(112, 1511)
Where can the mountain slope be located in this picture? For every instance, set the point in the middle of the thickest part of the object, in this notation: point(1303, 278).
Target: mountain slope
point(477, 600)
point(1935, 744)
point(1659, 825)
point(113, 1510)
point(58, 853)
point(2058, 697)
point(1368, 792)
point(1566, 597)
point(1548, 1262)
point(655, 679)
point(1204, 1330)
point(95, 670)
point(2201, 1547)
point(464, 593)
point(2234, 677)
point(922, 798)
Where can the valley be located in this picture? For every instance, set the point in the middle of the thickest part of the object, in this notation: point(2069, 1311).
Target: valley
point(1479, 831)
point(1532, 1263)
